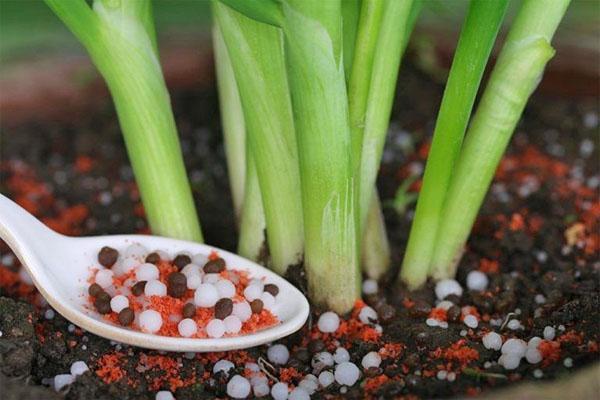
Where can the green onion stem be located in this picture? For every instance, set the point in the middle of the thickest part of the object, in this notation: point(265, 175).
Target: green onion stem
point(358, 87)
point(350, 16)
point(313, 45)
point(232, 121)
point(394, 30)
point(515, 76)
point(257, 57)
point(252, 224)
point(374, 249)
point(376, 252)
point(120, 39)
point(474, 47)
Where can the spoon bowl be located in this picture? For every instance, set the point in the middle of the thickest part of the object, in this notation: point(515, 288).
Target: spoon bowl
point(59, 267)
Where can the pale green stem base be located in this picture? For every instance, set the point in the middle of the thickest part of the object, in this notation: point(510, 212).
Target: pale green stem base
point(375, 255)
point(232, 121)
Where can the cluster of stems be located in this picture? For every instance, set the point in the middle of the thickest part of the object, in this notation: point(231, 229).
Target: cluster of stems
point(316, 82)
point(306, 90)
point(458, 174)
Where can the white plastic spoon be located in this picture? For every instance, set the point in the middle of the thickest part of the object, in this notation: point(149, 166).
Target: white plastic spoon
point(60, 267)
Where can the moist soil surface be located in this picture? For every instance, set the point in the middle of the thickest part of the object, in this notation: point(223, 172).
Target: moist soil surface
point(536, 239)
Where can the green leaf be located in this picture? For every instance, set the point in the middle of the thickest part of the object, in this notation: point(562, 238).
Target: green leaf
point(474, 47)
point(266, 11)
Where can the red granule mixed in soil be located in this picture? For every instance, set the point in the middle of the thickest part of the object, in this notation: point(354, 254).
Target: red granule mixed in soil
point(550, 350)
point(459, 352)
point(110, 367)
point(439, 313)
point(169, 372)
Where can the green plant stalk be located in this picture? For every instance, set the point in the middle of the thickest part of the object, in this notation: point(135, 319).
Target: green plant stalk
point(232, 121)
point(251, 241)
point(313, 46)
point(369, 24)
point(393, 36)
point(474, 47)
point(119, 37)
point(376, 252)
point(374, 249)
point(350, 17)
point(517, 73)
point(256, 51)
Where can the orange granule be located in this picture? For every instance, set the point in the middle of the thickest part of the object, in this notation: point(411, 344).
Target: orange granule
point(457, 352)
point(69, 220)
point(571, 337)
point(350, 329)
point(170, 372)
point(84, 164)
point(259, 321)
point(408, 303)
point(289, 374)
point(119, 280)
point(574, 233)
point(517, 222)
point(550, 350)
point(109, 367)
point(165, 268)
point(438, 313)
point(489, 266)
point(372, 384)
point(12, 284)
point(391, 350)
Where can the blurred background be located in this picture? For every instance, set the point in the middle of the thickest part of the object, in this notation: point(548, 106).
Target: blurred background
point(40, 60)
point(28, 27)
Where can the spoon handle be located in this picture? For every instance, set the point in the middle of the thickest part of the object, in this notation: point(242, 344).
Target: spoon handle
point(19, 228)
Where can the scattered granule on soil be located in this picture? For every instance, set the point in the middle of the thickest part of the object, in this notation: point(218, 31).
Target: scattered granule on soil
point(550, 350)
point(391, 350)
point(458, 351)
point(169, 372)
point(109, 367)
point(408, 303)
point(371, 385)
point(516, 222)
point(69, 221)
point(83, 164)
point(289, 374)
point(13, 286)
point(439, 314)
point(489, 266)
point(572, 337)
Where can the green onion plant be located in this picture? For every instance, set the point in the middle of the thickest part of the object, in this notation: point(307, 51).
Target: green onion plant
point(517, 72)
point(120, 39)
point(256, 54)
point(458, 175)
point(306, 89)
point(474, 47)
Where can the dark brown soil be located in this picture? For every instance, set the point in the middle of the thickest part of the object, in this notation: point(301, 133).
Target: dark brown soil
point(76, 175)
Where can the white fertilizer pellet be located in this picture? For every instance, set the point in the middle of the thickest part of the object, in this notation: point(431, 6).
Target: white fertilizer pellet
point(328, 322)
